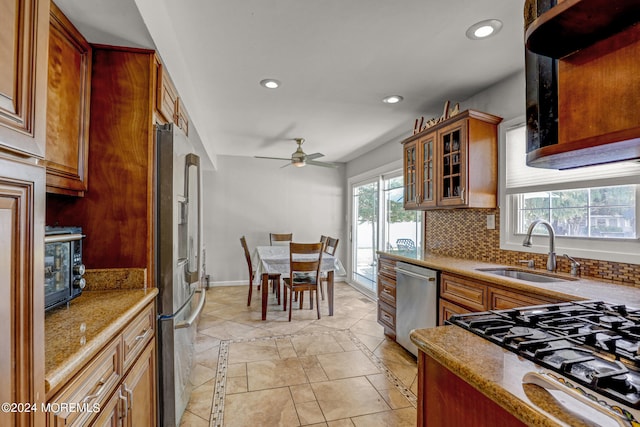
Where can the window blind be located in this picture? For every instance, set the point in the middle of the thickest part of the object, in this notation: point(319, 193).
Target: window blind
point(521, 178)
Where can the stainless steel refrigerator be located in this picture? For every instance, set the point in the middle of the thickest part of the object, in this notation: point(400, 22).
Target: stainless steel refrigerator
point(178, 272)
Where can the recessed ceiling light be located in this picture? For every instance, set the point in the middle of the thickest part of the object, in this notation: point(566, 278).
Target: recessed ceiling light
point(270, 83)
point(393, 99)
point(484, 29)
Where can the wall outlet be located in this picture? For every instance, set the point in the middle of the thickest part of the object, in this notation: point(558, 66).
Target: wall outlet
point(491, 222)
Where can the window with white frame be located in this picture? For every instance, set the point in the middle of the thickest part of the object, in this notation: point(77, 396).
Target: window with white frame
point(593, 209)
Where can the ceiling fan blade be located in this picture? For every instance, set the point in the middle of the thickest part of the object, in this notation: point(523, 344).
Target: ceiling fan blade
point(323, 164)
point(288, 164)
point(314, 156)
point(273, 158)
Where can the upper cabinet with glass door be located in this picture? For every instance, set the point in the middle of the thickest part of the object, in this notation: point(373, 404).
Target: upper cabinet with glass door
point(453, 164)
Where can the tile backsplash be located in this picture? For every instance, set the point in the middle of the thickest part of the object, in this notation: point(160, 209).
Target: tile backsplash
point(463, 233)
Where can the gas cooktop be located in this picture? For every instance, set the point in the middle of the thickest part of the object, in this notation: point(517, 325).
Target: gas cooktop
point(592, 343)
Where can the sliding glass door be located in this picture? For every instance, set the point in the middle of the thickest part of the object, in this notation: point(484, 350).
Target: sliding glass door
point(379, 222)
point(365, 233)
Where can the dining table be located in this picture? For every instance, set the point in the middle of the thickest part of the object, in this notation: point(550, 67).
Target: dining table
point(275, 259)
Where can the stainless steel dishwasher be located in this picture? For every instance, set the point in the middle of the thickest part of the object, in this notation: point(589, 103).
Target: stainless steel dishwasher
point(416, 301)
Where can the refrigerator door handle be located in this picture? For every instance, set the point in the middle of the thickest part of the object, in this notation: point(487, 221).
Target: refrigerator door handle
point(188, 322)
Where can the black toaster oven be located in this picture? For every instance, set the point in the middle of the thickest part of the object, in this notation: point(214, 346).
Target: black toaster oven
point(63, 268)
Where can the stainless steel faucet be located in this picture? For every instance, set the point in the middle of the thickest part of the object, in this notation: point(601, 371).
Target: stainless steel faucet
point(575, 265)
point(551, 260)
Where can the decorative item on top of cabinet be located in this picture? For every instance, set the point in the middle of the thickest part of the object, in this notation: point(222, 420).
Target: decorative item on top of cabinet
point(387, 295)
point(453, 164)
point(597, 82)
point(68, 100)
point(166, 96)
point(24, 34)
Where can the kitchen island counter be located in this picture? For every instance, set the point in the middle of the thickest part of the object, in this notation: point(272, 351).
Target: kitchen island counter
point(75, 334)
point(494, 372)
point(571, 289)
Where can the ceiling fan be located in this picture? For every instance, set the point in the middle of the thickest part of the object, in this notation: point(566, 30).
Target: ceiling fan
point(299, 158)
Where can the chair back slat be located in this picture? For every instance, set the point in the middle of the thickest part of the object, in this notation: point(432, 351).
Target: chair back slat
point(305, 265)
point(247, 255)
point(331, 245)
point(282, 238)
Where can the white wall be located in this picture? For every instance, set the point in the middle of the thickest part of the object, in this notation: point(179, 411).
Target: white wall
point(253, 197)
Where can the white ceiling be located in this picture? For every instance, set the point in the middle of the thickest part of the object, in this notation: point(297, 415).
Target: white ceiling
point(336, 60)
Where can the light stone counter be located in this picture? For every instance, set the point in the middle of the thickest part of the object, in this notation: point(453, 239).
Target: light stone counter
point(497, 373)
point(567, 290)
point(74, 334)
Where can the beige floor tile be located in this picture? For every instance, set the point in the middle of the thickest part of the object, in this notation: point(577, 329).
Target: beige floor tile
point(253, 351)
point(315, 344)
point(368, 327)
point(191, 420)
point(236, 385)
point(349, 397)
point(227, 317)
point(394, 398)
point(406, 417)
point(309, 413)
point(347, 364)
point(275, 373)
point(380, 381)
point(201, 374)
point(302, 393)
point(369, 341)
point(237, 370)
point(201, 399)
point(269, 408)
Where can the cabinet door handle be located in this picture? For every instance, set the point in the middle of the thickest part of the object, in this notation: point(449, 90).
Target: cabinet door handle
point(129, 395)
point(462, 194)
point(126, 405)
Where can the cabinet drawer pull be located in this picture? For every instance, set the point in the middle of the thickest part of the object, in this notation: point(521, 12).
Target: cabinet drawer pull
point(386, 291)
point(387, 317)
point(143, 335)
point(100, 385)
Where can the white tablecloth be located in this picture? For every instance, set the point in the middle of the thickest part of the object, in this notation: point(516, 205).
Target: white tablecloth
point(275, 259)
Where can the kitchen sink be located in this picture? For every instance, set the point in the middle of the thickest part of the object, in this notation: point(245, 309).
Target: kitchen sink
point(528, 276)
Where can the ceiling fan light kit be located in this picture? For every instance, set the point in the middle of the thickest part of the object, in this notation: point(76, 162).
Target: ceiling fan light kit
point(299, 158)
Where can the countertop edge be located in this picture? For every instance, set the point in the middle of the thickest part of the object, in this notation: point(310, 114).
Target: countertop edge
point(57, 377)
point(509, 402)
point(570, 290)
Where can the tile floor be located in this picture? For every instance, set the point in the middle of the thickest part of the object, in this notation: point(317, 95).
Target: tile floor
point(336, 371)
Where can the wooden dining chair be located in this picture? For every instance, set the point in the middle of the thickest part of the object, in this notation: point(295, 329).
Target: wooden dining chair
point(304, 272)
point(330, 248)
point(280, 239)
point(274, 278)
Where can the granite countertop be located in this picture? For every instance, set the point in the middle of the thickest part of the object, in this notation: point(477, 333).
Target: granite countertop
point(498, 374)
point(74, 334)
point(572, 289)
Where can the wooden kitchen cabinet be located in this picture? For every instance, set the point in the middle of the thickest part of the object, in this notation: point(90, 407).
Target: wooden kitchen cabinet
point(182, 119)
point(22, 189)
point(120, 380)
point(595, 84)
point(68, 100)
point(444, 400)
point(460, 295)
point(387, 295)
point(167, 96)
point(453, 164)
point(24, 35)
point(419, 173)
